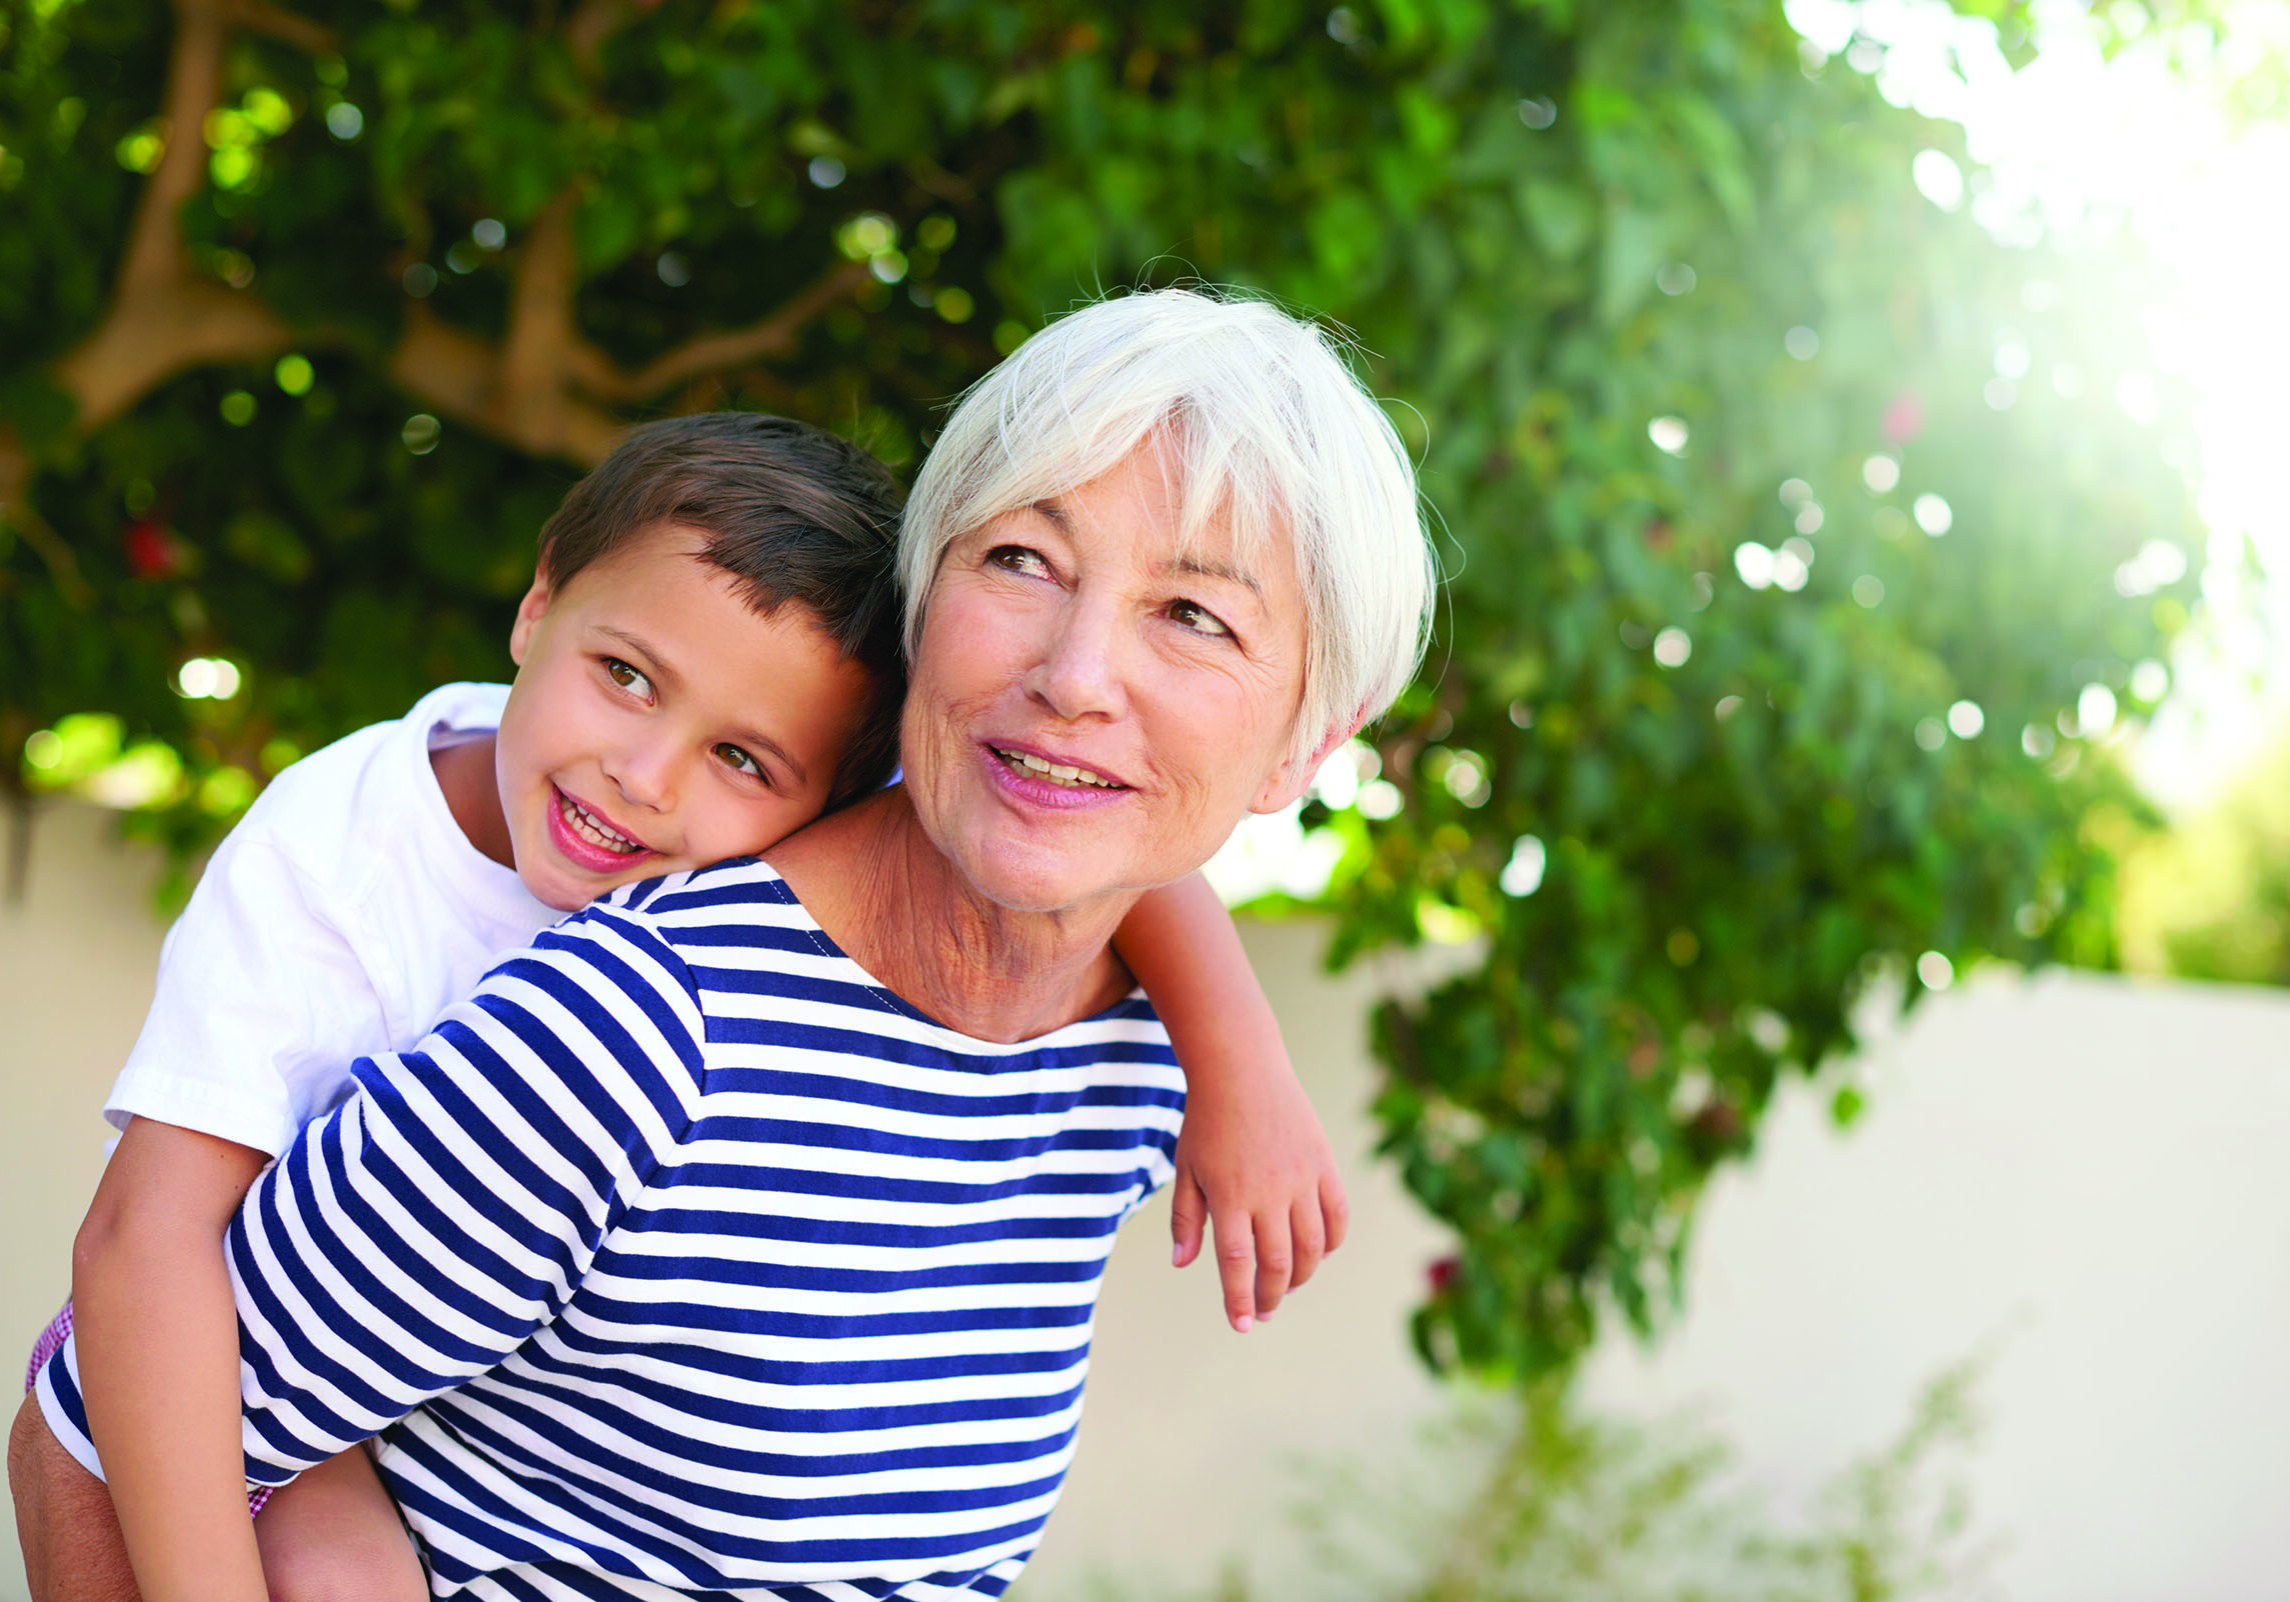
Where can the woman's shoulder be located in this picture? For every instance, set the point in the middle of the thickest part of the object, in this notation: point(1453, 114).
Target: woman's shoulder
point(718, 911)
point(725, 888)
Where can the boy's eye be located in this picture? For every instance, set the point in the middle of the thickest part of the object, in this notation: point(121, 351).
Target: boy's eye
point(1018, 559)
point(731, 756)
point(1193, 615)
point(628, 678)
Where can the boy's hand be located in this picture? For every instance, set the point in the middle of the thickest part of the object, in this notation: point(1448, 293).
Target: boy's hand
point(1253, 1159)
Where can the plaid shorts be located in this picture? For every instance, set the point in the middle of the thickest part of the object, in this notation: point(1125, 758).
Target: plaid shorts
point(51, 1341)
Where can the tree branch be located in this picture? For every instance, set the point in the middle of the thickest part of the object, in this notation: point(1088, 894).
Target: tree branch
point(529, 390)
point(713, 353)
point(164, 318)
point(194, 79)
point(257, 16)
point(542, 389)
point(593, 22)
point(459, 375)
point(17, 510)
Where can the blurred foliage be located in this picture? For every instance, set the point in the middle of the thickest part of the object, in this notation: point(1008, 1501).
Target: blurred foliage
point(1756, 468)
point(2210, 899)
point(1531, 1495)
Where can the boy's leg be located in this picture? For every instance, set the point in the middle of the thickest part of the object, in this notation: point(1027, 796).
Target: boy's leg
point(334, 1536)
point(72, 1547)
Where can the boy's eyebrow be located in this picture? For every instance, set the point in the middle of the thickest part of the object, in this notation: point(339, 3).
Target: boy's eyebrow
point(748, 733)
point(661, 667)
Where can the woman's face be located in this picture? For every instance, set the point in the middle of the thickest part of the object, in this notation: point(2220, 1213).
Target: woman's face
point(1092, 710)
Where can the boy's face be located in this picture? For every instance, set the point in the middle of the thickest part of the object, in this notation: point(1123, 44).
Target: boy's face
point(658, 723)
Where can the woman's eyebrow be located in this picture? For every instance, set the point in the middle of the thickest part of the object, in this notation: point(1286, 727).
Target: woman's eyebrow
point(1210, 567)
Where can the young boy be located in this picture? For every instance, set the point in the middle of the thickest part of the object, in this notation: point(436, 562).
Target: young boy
point(707, 659)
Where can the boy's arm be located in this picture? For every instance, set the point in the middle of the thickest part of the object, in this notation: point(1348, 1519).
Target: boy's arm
point(1252, 1156)
point(426, 1228)
point(158, 1350)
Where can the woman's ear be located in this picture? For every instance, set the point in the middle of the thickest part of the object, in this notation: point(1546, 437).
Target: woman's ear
point(1295, 775)
point(530, 611)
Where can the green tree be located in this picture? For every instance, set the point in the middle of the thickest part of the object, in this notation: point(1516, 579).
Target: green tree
point(1764, 622)
point(2211, 898)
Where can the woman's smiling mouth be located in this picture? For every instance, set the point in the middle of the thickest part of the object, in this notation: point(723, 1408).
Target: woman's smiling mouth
point(1060, 773)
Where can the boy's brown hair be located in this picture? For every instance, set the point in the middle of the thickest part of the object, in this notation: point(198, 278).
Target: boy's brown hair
point(792, 512)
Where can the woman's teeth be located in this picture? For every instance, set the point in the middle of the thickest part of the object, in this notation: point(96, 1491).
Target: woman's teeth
point(1055, 772)
point(594, 829)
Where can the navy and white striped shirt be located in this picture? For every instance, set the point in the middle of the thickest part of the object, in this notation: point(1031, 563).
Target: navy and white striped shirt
point(684, 1259)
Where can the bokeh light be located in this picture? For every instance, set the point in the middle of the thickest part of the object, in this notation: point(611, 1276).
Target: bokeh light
point(1523, 874)
point(207, 678)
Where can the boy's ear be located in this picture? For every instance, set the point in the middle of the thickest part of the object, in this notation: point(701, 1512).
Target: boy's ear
point(1293, 777)
point(530, 611)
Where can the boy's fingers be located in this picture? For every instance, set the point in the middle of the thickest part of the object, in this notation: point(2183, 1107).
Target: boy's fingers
point(1236, 1263)
point(1335, 1211)
point(1188, 1215)
point(1310, 1242)
point(1275, 1262)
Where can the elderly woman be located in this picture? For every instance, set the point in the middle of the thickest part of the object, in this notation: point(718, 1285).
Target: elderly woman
point(743, 1237)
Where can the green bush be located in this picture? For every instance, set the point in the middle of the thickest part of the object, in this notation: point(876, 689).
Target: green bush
point(308, 318)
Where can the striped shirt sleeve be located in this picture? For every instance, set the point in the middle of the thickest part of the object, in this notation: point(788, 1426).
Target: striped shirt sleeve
point(426, 1228)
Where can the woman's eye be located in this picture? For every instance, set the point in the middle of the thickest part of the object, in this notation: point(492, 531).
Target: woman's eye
point(628, 678)
point(731, 756)
point(1194, 616)
point(1017, 559)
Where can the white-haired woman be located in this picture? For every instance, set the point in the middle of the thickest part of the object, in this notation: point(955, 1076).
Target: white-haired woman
point(782, 1243)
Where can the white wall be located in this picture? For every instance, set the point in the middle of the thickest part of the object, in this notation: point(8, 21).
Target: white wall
point(77, 953)
point(2094, 1173)
point(2087, 1178)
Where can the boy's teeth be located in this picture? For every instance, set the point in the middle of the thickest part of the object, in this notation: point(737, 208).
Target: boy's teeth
point(1056, 771)
point(593, 829)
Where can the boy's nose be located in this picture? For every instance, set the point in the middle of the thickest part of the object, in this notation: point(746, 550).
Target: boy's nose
point(645, 775)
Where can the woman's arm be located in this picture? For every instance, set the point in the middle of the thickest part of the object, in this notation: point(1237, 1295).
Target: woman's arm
point(157, 1338)
point(1252, 1156)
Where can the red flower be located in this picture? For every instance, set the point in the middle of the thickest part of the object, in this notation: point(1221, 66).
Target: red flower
point(1904, 418)
point(1442, 1274)
point(152, 552)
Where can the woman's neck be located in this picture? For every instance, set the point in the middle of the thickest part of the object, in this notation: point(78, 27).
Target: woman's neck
point(874, 882)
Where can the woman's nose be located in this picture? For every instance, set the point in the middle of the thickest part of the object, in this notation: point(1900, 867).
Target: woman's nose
point(1079, 674)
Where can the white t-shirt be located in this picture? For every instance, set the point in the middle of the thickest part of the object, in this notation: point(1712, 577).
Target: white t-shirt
point(342, 915)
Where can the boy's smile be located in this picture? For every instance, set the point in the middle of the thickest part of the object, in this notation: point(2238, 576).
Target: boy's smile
point(583, 833)
point(658, 722)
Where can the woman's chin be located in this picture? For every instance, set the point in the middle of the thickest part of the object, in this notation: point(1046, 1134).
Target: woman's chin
point(1020, 888)
point(1023, 877)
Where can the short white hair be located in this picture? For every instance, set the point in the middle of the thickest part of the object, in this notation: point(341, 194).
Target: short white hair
point(1266, 424)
